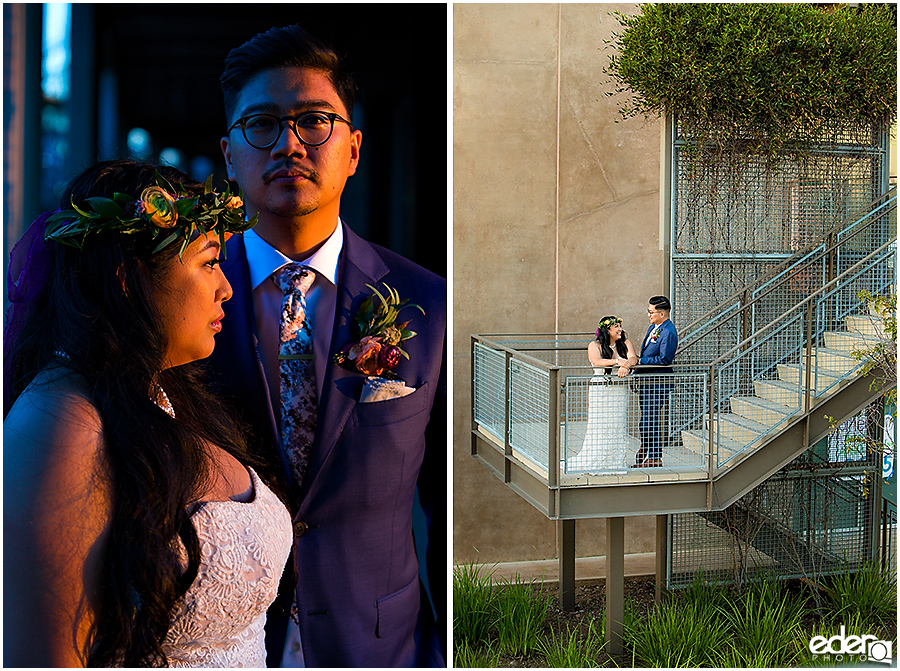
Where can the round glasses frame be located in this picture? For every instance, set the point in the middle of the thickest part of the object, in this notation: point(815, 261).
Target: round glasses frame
point(243, 121)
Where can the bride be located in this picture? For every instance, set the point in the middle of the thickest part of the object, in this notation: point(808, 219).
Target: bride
point(604, 447)
point(137, 530)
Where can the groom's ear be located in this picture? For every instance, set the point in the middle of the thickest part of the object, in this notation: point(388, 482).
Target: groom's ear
point(226, 152)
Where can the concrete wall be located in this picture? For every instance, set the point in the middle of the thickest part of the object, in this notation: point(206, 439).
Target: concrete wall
point(556, 223)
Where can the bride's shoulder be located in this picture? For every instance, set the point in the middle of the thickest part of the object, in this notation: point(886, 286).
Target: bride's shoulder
point(53, 412)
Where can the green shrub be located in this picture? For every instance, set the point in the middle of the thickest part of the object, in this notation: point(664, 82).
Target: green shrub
point(764, 73)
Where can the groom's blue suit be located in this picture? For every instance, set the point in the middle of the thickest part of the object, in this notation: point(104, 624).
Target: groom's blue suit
point(359, 594)
point(653, 395)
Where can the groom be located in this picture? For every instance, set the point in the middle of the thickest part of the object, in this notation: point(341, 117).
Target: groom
point(291, 146)
point(658, 349)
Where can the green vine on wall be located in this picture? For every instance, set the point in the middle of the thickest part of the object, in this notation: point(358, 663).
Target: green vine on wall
point(757, 78)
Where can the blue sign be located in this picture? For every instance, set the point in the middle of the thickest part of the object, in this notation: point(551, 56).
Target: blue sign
point(889, 486)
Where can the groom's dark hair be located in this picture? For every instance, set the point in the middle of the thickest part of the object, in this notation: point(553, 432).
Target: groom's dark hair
point(289, 46)
point(660, 303)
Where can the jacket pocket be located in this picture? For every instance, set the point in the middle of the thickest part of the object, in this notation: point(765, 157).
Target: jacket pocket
point(394, 410)
point(397, 613)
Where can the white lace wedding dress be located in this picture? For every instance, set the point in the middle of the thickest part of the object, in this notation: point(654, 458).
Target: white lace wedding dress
point(605, 441)
point(244, 546)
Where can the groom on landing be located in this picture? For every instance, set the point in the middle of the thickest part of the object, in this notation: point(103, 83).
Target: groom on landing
point(658, 349)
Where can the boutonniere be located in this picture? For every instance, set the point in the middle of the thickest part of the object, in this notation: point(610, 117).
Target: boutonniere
point(376, 350)
point(655, 335)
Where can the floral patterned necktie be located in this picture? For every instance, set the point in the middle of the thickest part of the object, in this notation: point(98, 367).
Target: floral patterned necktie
point(298, 374)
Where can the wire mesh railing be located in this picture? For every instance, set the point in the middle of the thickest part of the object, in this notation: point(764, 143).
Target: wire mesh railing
point(607, 420)
point(787, 283)
point(597, 427)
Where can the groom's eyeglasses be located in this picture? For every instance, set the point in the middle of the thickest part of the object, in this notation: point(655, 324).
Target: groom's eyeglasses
point(262, 131)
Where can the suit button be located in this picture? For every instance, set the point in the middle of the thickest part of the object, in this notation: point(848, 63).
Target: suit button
point(300, 528)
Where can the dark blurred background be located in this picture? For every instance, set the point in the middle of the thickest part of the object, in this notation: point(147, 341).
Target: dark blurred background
point(87, 82)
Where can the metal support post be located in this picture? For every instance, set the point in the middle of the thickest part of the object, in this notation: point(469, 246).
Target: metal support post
point(615, 585)
point(566, 563)
point(662, 555)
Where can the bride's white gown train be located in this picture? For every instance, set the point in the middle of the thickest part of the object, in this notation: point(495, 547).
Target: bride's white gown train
point(605, 441)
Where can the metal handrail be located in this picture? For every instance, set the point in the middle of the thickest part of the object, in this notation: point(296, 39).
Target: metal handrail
point(806, 305)
point(828, 286)
point(811, 253)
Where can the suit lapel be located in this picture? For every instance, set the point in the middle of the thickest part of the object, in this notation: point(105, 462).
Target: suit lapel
point(646, 343)
point(360, 264)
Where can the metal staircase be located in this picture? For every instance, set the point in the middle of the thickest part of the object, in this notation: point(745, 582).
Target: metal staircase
point(754, 381)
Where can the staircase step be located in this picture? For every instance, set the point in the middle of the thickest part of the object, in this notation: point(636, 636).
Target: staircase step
point(847, 341)
point(738, 429)
point(832, 360)
point(784, 393)
point(759, 410)
point(695, 442)
point(868, 325)
point(795, 374)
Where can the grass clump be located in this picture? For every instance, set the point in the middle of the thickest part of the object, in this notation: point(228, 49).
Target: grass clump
point(572, 650)
point(474, 605)
point(766, 622)
point(468, 656)
point(679, 633)
point(870, 592)
point(521, 612)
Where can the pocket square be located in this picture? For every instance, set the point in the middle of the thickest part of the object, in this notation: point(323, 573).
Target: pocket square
point(381, 389)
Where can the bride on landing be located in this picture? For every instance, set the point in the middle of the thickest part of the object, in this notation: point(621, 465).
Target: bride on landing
point(604, 447)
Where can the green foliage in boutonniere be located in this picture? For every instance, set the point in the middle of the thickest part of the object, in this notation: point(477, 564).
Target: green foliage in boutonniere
point(377, 350)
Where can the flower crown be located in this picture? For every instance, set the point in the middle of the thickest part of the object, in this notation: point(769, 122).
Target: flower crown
point(168, 214)
point(609, 321)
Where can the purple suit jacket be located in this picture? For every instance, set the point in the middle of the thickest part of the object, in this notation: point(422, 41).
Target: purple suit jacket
point(361, 603)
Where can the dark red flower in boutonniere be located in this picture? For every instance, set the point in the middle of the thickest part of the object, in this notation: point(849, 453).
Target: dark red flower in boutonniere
point(377, 349)
point(389, 356)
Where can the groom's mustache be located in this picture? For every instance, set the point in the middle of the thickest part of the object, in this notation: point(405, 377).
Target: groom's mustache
point(289, 169)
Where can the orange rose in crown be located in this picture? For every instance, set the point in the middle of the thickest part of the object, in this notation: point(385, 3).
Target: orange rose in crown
point(158, 206)
point(377, 351)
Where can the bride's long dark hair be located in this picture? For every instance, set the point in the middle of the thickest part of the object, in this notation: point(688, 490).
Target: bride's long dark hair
point(605, 346)
point(96, 319)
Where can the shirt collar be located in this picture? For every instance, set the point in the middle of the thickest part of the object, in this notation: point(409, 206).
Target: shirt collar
point(264, 259)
